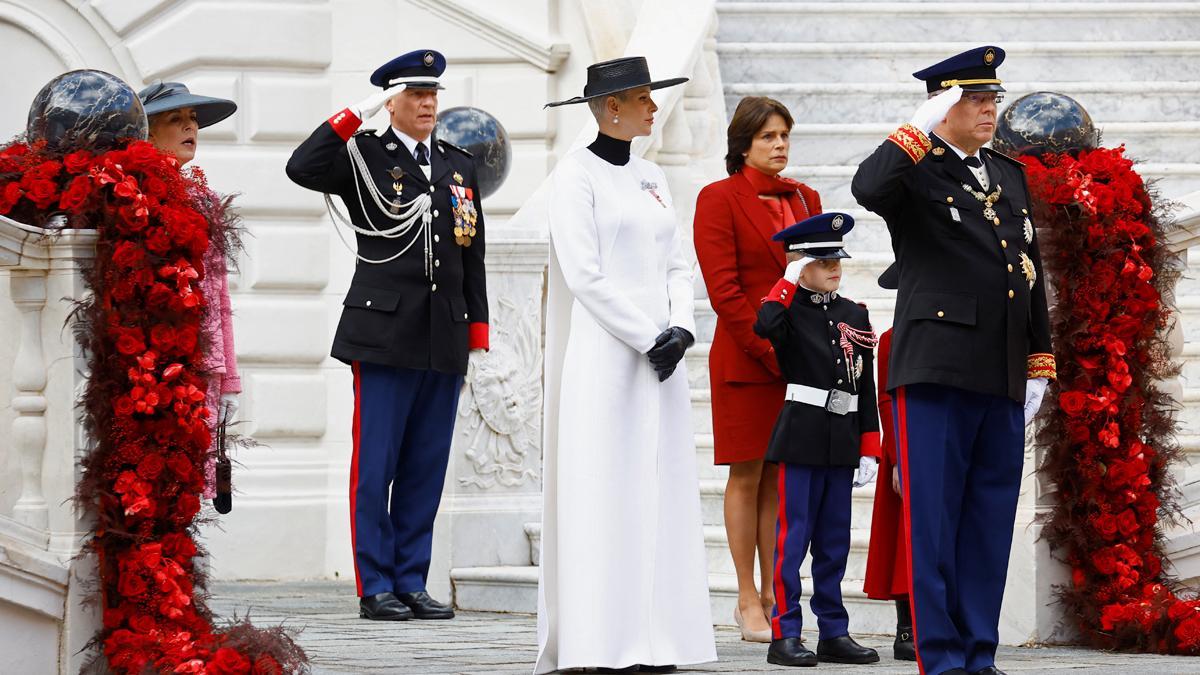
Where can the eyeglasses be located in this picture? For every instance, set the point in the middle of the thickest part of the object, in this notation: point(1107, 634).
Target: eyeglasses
point(980, 98)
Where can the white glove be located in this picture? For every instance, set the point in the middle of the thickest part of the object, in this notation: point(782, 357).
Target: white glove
point(867, 468)
point(933, 111)
point(366, 108)
point(792, 271)
point(1035, 389)
point(228, 407)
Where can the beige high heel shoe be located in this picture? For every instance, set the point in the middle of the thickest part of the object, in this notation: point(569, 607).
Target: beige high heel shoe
point(747, 634)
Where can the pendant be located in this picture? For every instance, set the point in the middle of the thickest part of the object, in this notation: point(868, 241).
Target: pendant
point(989, 213)
point(396, 173)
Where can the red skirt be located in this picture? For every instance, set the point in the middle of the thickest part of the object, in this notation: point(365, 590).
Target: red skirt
point(744, 415)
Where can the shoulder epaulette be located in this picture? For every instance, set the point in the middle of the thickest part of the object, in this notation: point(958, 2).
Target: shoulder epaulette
point(1001, 155)
point(451, 145)
point(365, 132)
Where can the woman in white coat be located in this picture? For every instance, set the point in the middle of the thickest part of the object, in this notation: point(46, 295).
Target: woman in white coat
point(624, 585)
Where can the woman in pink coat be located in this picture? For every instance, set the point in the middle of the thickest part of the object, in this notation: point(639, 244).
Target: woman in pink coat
point(176, 115)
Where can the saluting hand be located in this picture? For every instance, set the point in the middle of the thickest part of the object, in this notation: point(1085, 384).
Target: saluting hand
point(932, 112)
point(668, 350)
point(366, 108)
point(792, 272)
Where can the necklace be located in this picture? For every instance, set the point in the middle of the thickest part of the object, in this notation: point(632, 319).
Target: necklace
point(987, 200)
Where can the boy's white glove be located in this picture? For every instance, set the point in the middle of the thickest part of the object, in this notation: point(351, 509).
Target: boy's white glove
point(867, 468)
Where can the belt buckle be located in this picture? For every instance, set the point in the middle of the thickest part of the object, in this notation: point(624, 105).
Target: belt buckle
point(838, 402)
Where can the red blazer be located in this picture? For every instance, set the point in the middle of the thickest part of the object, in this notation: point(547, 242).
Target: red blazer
point(732, 232)
point(887, 553)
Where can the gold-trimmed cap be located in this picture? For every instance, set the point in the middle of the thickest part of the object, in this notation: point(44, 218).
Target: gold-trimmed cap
point(973, 70)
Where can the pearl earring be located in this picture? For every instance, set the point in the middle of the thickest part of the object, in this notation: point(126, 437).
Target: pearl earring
point(616, 120)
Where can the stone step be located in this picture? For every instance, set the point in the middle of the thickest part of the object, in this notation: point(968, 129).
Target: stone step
point(856, 22)
point(833, 182)
point(848, 143)
point(840, 100)
point(514, 589)
point(895, 61)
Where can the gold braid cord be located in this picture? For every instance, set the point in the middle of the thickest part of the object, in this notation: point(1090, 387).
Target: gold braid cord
point(912, 141)
point(1041, 365)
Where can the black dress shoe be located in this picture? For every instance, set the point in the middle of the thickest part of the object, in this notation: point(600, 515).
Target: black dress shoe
point(383, 607)
point(790, 652)
point(990, 670)
point(626, 669)
point(955, 671)
point(845, 650)
point(642, 668)
point(904, 649)
point(425, 607)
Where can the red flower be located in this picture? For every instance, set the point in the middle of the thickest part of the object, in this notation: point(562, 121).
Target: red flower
point(1072, 402)
point(187, 507)
point(76, 196)
point(127, 255)
point(180, 465)
point(229, 661)
point(151, 466)
point(130, 341)
point(1127, 522)
point(77, 162)
point(124, 406)
point(41, 192)
point(10, 196)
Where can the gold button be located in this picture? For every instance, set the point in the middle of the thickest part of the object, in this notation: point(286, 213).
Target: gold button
point(1010, 293)
point(996, 222)
point(1004, 243)
point(1009, 267)
point(941, 314)
point(949, 200)
point(1025, 211)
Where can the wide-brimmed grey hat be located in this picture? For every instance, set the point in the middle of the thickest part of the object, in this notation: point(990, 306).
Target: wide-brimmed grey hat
point(162, 97)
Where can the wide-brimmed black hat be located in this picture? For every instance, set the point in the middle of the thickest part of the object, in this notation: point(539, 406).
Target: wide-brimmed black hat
point(162, 97)
point(609, 77)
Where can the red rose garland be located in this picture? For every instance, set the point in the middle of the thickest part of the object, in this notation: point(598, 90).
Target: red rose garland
point(144, 405)
point(1111, 437)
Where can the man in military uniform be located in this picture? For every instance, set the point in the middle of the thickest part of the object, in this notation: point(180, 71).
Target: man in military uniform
point(416, 305)
point(971, 351)
point(826, 439)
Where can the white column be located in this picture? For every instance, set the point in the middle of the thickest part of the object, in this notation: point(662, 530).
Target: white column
point(28, 289)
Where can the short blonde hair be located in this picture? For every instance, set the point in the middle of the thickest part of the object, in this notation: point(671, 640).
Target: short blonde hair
point(596, 105)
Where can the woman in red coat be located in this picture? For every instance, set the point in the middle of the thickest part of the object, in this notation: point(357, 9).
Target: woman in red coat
point(887, 554)
point(735, 220)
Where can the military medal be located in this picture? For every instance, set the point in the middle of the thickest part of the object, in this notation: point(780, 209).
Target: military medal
point(1028, 230)
point(987, 200)
point(458, 178)
point(1028, 270)
point(462, 206)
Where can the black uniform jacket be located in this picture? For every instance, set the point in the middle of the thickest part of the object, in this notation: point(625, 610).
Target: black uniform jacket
point(966, 315)
point(393, 314)
point(809, 347)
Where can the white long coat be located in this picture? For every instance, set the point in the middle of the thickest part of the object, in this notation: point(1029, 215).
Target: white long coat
point(623, 570)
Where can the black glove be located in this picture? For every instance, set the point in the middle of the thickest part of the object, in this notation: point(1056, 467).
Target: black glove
point(668, 350)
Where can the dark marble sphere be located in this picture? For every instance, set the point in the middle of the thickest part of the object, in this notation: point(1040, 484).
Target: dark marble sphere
point(1044, 122)
point(484, 137)
point(86, 110)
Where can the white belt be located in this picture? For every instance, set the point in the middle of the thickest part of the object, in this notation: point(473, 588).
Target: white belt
point(833, 400)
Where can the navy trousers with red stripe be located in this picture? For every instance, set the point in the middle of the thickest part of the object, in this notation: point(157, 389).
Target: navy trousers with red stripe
point(814, 510)
point(960, 456)
point(403, 426)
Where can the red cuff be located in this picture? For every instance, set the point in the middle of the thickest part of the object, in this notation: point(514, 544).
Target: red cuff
point(479, 335)
point(868, 445)
point(912, 141)
point(782, 293)
point(345, 124)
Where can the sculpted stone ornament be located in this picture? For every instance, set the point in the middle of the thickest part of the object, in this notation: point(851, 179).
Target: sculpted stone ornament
point(500, 410)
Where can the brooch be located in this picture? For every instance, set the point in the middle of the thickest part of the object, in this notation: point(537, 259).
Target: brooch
point(652, 189)
point(1028, 230)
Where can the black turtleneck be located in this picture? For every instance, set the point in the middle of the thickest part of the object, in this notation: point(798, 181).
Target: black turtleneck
point(611, 150)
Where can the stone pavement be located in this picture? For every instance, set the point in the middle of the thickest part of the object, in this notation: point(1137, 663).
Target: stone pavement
point(337, 641)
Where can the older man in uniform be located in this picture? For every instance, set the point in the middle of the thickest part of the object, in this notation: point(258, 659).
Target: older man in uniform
point(970, 354)
point(416, 305)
